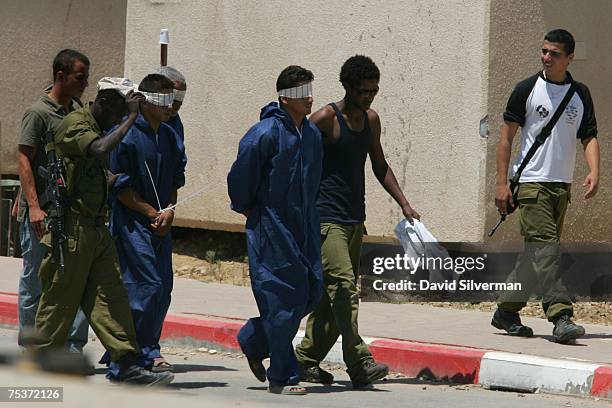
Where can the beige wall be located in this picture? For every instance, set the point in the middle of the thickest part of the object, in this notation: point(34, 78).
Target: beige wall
point(433, 58)
point(519, 27)
point(33, 31)
point(444, 65)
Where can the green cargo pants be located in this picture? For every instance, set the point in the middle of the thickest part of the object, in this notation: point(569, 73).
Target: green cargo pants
point(91, 279)
point(542, 208)
point(337, 313)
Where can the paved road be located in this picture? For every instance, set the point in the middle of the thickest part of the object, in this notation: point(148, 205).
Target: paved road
point(222, 380)
point(414, 322)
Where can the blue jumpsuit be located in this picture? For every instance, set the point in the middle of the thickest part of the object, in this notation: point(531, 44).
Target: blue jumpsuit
point(145, 258)
point(276, 179)
point(176, 123)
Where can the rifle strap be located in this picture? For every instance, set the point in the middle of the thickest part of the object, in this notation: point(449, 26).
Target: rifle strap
point(545, 132)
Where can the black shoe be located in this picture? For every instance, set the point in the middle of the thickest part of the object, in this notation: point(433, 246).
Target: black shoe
point(565, 330)
point(315, 374)
point(140, 376)
point(365, 375)
point(511, 323)
point(88, 368)
point(258, 369)
point(62, 361)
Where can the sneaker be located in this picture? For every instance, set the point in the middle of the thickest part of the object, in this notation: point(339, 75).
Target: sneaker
point(511, 323)
point(364, 376)
point(565, 330)
point(315, 374)
point(140, 376)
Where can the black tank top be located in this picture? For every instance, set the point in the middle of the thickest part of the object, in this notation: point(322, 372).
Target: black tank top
point(342, 194)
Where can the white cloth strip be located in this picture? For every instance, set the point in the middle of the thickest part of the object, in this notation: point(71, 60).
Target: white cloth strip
point(123, 85)
point(179, 95)
point(302, 91)
point(153, 184)
point(189, 197)
point(158, 99)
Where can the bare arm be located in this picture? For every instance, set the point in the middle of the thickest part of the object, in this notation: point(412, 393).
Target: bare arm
point(101, 147)
point(25, 155)
point(323, 119)
point(591, 154)
point(503, 195)
point(15, 209)
point(382, 170)
point(132, 200)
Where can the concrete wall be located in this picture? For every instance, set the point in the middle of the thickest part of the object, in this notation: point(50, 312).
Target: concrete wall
point(433, 58)
point(33, 31)
point(518, 28)
point(445, 65)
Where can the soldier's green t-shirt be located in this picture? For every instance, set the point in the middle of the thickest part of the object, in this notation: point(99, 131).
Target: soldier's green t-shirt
point(44, 115)
point(85, 174)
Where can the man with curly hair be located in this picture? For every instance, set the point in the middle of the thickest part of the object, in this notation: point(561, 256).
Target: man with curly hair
point(351, 131)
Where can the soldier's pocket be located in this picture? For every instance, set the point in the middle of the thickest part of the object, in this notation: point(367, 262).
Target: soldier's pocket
point(324, 231)
point(46, 239)
point(54, 282)
point(72, 235)
point(528, 194)
point(71, 244)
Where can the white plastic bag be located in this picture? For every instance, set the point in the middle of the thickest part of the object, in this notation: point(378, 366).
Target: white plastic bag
point(418, 242)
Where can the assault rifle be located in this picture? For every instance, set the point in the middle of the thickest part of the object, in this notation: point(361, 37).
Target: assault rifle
point(54, 199)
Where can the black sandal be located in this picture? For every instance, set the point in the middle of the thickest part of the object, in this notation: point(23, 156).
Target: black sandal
point(287, 390)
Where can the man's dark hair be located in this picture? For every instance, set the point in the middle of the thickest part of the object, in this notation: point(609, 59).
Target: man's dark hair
point(563, 37)
point(65, 59)
point(356, 69)
point(155, 83)
point(113, 99)
point(292, 76)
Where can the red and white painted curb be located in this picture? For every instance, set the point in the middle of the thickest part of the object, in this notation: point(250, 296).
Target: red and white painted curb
point(464, 365)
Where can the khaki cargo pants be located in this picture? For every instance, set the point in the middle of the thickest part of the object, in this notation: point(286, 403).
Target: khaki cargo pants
point(91, 279)
point(542, 208)
point(337, 313)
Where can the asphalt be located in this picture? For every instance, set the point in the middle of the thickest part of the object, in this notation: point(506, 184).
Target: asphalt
point(436, 329)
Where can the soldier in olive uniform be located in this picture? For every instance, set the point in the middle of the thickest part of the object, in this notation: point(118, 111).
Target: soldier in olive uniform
point(91, 277)
point(70, 78)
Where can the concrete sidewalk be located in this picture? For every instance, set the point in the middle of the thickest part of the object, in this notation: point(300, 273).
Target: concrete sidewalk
point(418, 340)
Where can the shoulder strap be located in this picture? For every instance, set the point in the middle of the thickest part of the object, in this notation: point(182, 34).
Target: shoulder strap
point(366, 122)
point(545, 132)
point(338, 113)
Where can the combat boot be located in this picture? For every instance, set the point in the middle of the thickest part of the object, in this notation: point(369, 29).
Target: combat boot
point(363, 376)
point(511, 323)
point(565, 330)
point(315, 374)
point(137, 375)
